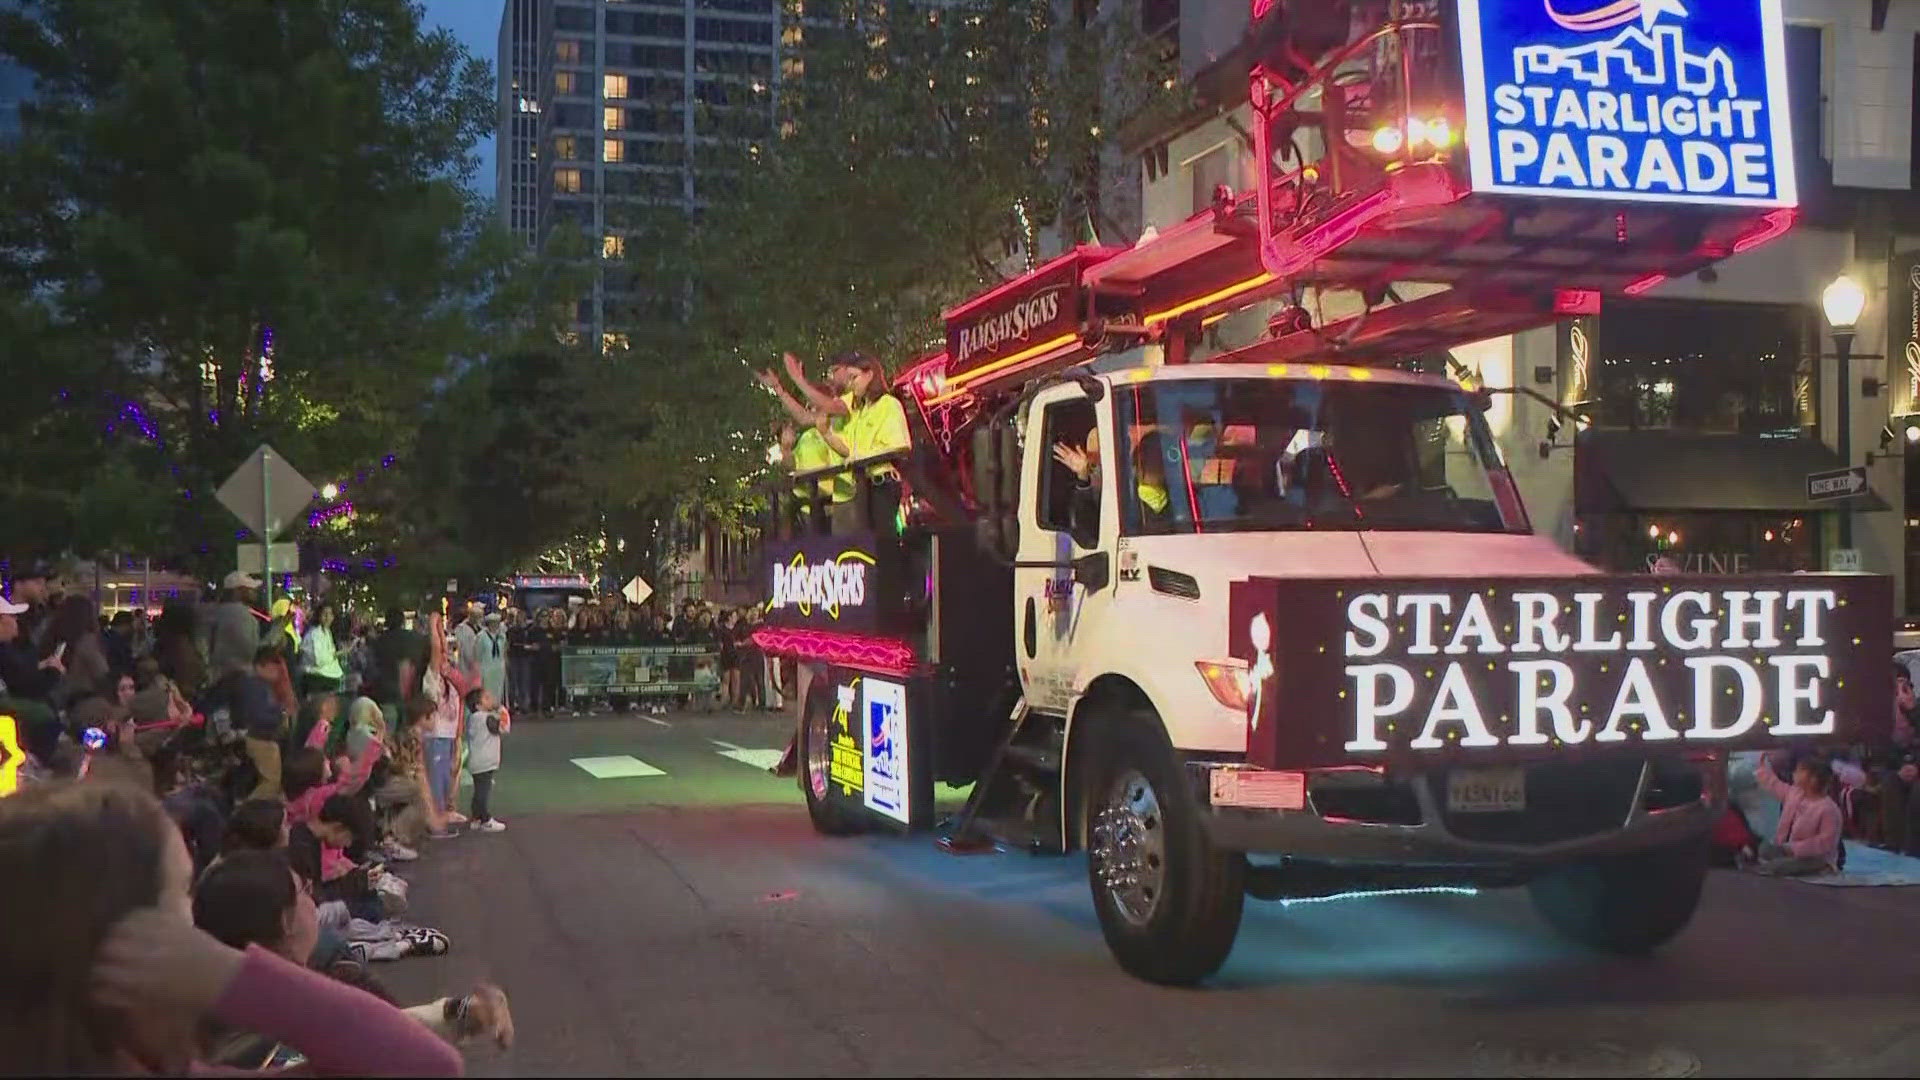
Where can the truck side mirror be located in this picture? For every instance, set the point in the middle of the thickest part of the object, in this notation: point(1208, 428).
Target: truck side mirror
point(1093, 571)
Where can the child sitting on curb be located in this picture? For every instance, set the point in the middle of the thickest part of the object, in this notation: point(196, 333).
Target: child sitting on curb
point(1808, 839)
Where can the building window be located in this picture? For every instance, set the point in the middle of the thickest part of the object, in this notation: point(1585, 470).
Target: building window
point(565, 82)
point(734, 31)
point(566, 52)
point(1208, 172)
point(568, 17)
point(610, 342)
point(566, 147)
point(614, 87)
point(613, 151)
point(645, 24)
point(613, 247)
point(614, 119)
point(1705, 367)
point(567, 180)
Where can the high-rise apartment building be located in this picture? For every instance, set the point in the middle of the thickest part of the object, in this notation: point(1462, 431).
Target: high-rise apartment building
point(604, 104)
point(517, 158)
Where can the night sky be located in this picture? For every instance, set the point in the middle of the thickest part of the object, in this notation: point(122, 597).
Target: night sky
point(477, 24)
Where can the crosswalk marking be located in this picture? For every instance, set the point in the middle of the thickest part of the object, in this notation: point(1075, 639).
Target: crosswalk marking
point(759, 759)
point(616, 767)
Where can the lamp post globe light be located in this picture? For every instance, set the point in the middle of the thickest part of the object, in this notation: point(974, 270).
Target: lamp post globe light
point(1843, 302)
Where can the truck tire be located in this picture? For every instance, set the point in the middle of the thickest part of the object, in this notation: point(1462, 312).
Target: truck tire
point(1624, 904)
point(829, 817)
point(1169, 903)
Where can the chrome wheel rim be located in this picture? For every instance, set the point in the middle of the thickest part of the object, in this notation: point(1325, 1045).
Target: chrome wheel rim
point(1129, 847)
point(818, 753)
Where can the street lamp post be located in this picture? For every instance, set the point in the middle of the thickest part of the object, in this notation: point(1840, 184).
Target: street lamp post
point(1844, 300)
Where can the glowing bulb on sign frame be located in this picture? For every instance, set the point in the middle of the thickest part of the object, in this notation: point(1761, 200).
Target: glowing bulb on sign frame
point(1388, 140)
point(331, 491)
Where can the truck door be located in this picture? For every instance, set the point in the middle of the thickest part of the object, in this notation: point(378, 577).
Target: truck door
point(1062, 516)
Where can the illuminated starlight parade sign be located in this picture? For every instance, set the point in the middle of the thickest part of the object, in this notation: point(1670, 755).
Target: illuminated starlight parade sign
point(1411, 669)
point(1657, 100)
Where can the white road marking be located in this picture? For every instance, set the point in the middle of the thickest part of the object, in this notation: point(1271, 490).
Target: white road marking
point(759, 759)
point(617, 767)
point(657, 720)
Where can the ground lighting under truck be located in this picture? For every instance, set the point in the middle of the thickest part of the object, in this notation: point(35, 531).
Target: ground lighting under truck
point(1294, 635)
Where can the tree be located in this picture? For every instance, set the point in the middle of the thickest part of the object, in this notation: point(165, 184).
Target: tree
point(248, 221)
point(918, 152)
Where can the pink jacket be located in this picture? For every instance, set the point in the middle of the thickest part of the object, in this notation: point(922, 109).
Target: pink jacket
point(340, 1029)
point(306, 805)
point(1809, 825)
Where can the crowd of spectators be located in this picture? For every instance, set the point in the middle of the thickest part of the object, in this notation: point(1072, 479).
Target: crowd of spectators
point(212, 813)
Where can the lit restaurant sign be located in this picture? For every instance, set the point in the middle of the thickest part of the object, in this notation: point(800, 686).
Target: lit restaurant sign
point(1653, 100)
point(1370, 669)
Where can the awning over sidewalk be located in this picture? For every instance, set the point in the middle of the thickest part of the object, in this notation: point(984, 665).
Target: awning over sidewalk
point(1668, 471)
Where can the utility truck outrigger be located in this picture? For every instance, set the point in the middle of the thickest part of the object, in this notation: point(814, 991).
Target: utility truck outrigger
point(1277, 624)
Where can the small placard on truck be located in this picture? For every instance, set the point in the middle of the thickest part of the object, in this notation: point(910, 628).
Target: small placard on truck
point(1404, 670)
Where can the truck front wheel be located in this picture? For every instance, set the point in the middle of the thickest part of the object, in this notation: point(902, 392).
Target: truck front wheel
point(1624, 904)
point(1169, 902)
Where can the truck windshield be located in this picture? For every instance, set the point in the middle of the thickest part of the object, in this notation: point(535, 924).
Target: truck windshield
point(1253, 454)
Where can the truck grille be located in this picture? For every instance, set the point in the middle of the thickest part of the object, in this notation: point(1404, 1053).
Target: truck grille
point(1565, 801)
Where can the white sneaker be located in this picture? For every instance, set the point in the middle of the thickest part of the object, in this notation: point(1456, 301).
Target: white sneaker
point(398, 851)
point(455, 817)
point(491, 825)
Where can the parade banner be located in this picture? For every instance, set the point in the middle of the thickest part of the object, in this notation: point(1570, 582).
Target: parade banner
point(639, 671)
point(1425, 670)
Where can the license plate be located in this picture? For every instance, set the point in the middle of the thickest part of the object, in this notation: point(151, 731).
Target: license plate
point(1487, 791)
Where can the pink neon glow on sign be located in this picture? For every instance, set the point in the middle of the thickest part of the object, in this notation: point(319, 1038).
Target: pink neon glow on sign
point(1618, 13)
point(1261, 7)
point(851, 650)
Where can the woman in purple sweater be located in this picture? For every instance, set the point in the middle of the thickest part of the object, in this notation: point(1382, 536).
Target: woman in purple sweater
point(106, 974)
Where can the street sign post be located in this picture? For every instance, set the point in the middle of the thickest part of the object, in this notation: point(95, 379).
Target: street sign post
point(1836, 483)
point(266, 493)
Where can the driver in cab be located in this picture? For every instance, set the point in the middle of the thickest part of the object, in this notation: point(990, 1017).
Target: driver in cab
point(1150, 483)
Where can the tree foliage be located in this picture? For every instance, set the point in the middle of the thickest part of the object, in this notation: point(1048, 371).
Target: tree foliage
point(248, 221)
point(919, 153)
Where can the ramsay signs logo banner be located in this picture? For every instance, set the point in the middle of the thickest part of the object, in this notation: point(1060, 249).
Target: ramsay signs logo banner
point(828, 582)
point(1520, 668)
point(1035, 313)
point(831, 587)
point(1651, 100)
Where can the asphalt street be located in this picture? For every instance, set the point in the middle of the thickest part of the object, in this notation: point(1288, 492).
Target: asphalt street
point(676, 915)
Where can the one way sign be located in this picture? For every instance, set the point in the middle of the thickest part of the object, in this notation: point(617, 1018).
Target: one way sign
point(1837, 484)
